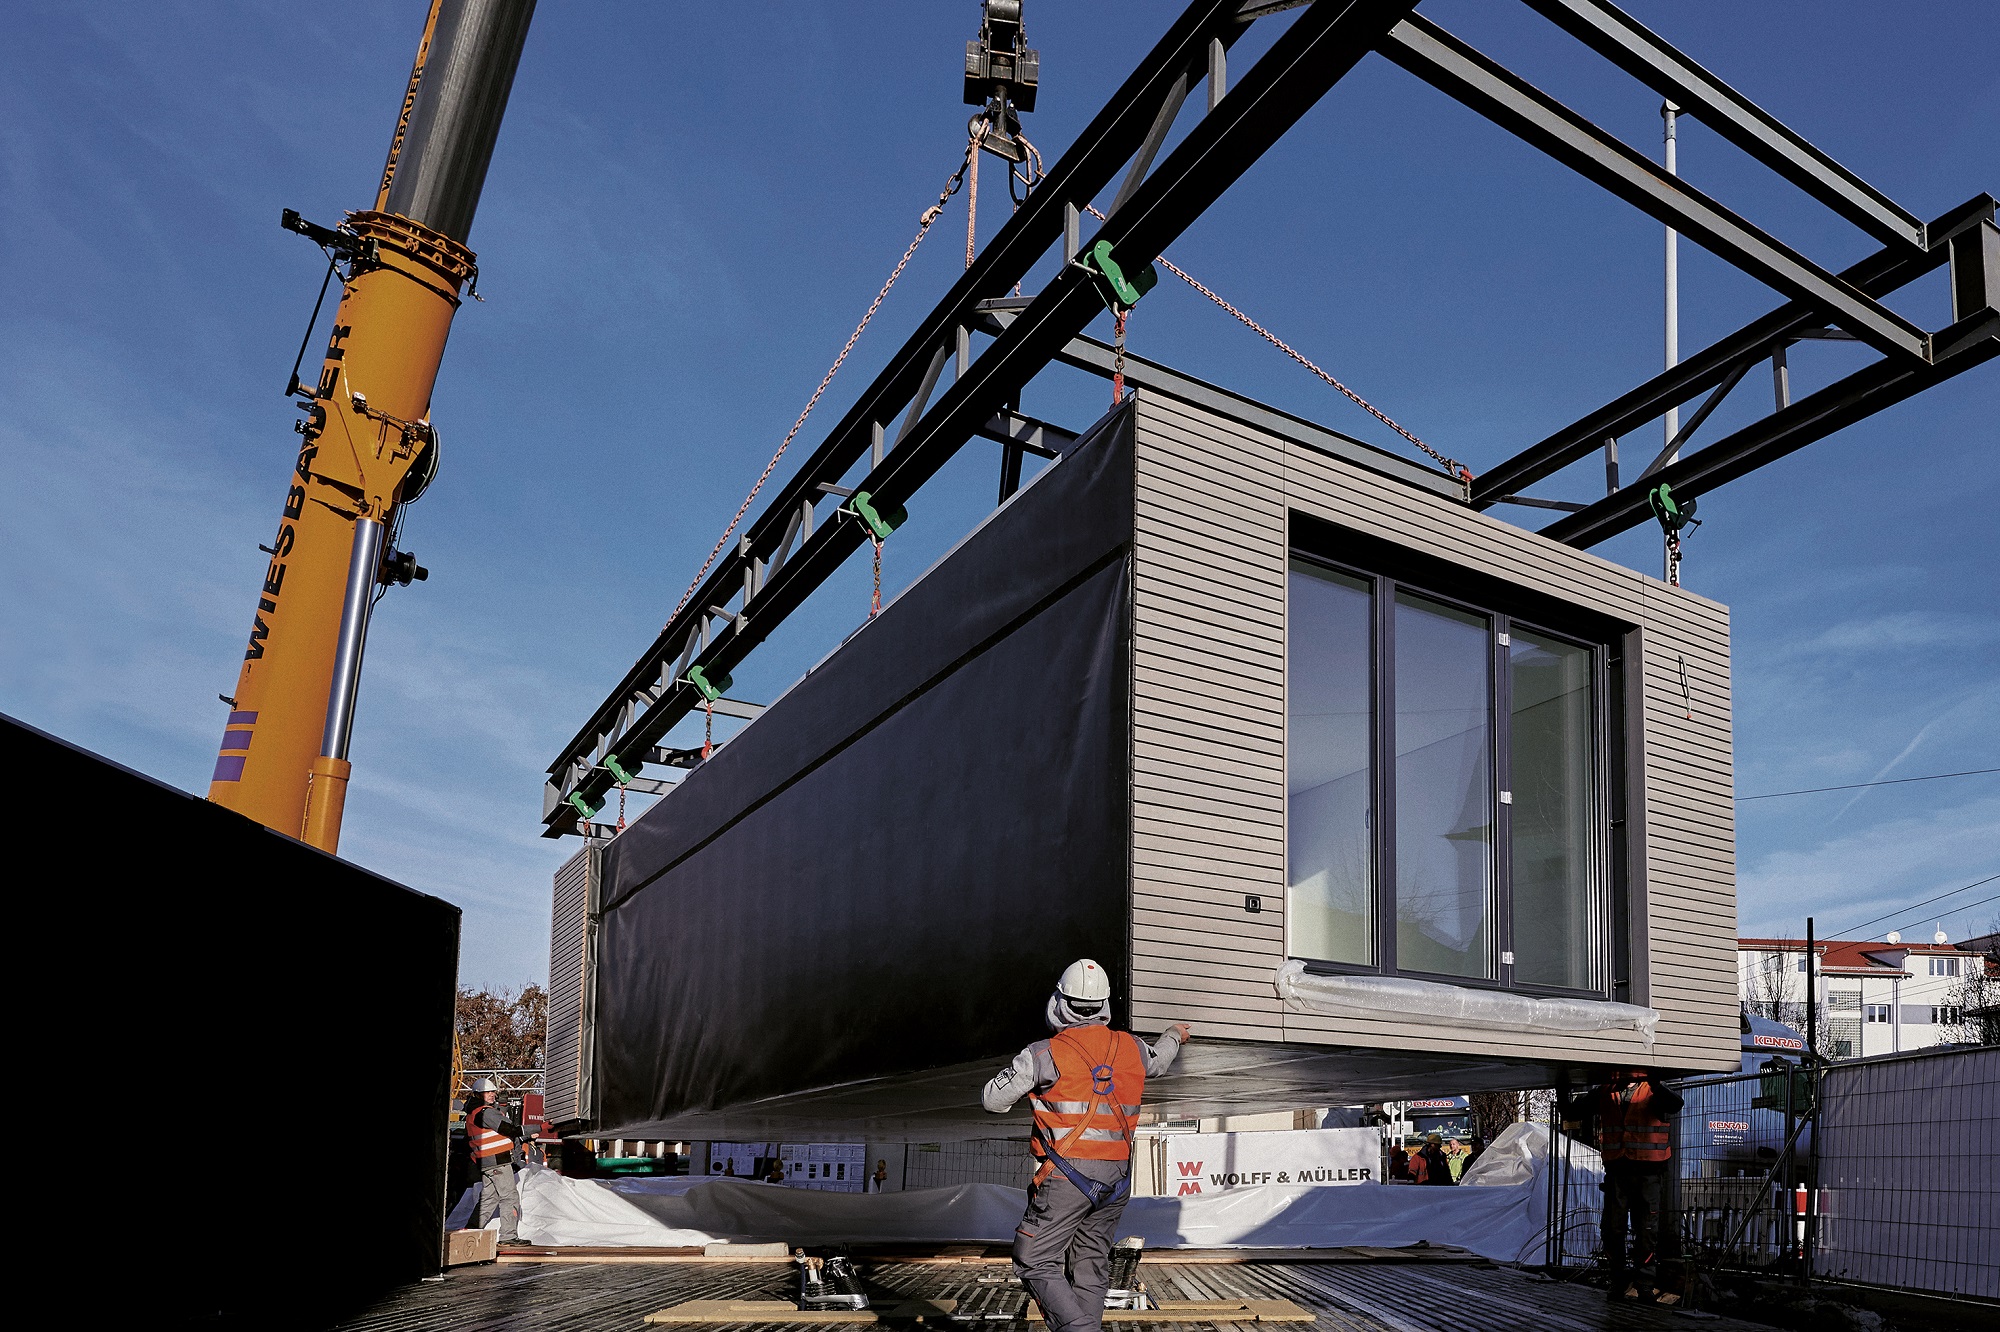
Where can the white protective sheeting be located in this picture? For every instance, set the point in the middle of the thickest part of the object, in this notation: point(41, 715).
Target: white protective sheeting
point(698, 1210)
point(1518, 1154)
point(1455, 1006)
point(555, 1210)
point(1500, 1211)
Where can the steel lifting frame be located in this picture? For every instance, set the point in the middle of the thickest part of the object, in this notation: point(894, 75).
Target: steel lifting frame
point(1148, 213)
point(784, 555)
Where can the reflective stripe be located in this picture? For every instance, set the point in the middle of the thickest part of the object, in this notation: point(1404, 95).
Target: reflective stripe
point(486, 1142)
point(1630, 1129)
point(1099, 1063)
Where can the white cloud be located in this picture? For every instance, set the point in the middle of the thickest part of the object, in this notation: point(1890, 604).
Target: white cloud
point(1901, 631)
point(1874, 870)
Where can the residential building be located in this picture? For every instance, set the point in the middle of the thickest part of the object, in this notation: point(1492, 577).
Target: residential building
point(1874, 997)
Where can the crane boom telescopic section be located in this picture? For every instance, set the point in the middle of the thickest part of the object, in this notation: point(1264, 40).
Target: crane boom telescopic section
point(366, 442)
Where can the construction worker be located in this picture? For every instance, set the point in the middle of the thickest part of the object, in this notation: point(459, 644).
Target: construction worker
point(1632, 1114)
point(1431, 1164)
point(1085, 1082)
point(492, 1137)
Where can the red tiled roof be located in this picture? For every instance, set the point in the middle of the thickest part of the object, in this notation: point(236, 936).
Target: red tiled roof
point(1856, 955)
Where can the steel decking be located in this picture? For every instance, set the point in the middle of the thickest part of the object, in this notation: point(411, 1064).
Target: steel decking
point(1386, 1296)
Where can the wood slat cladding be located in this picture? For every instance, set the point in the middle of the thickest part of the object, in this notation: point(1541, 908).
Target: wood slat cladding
point(1220, 505)
point(567, 1045)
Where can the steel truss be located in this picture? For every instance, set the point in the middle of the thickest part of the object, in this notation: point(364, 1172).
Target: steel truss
point(789, 549)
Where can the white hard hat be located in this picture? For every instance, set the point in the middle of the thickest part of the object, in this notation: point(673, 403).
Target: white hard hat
point(484, 1085)
point(1084, 980)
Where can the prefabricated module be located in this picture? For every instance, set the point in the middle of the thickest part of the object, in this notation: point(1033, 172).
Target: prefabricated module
point(1379, 793)
point(367, 447)
point(1382, 794)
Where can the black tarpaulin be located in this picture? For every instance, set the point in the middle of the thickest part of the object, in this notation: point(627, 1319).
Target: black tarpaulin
point(240, 1053)
point(887, 870)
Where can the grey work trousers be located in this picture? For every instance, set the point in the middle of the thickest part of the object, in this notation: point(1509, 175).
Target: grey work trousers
point(1062, 1253)
point(1634, 1193)
point(496, 1194)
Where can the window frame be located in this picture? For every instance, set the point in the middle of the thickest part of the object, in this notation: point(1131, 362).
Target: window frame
point(1602, 903)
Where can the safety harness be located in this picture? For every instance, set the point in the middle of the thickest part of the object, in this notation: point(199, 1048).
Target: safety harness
point(1104, 1117)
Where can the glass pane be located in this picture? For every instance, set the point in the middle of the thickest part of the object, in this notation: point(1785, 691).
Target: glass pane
point(1555, 870)
point(1329, 862)
point(1444, 788)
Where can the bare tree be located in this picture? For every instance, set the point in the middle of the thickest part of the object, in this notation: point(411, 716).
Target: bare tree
point(1493, 1111)
point(1977, 996)
point(1766, 990)
point(502, 1028)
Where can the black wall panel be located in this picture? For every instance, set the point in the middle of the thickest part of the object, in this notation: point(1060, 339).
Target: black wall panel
point(886, 871)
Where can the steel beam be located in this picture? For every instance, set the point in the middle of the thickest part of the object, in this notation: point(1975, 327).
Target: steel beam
point(1879, 274)
point(1971, 342)
point(1452, 67)
point(1106, 144)
point(1306, 60)
point(1026, 434)
point(1646, 56)
point(1087, 353)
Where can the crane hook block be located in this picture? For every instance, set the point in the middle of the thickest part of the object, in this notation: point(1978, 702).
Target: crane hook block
point(1117, 291)
point(584, 808)
point(881, 521)
point(710, 690)
point(617, 769)
point(1674, 514)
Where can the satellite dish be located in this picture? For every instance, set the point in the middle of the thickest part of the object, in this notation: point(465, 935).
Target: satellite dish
point(1940, 937)
point(1895, 937)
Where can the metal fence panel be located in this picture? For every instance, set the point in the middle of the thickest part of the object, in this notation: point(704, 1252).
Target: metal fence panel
point(1730, 1190)
point(980, 1161)
point(1909, 1172)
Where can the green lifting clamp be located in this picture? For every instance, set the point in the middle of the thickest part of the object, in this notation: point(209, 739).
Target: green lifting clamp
point(584, 808)
point(710, 690)
point(880, 521)
point(618, 769)
point(1117, 291)
point(1674, 514)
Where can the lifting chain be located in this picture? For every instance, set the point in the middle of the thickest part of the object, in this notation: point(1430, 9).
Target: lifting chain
point(1451, 465)
point(875, 602)
point(979, 126)
point(621, 807)
point(707, 729)
point(1118, 357)
point(930, 216)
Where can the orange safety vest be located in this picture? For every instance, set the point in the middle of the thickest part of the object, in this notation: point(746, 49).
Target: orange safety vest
point(1089, 1112)
point(1628, 1129)
point(485, 1141)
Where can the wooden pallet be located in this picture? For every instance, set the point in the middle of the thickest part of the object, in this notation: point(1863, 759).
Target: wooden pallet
point(755, 1311)
point(1202, 1311)
point(784, 1311)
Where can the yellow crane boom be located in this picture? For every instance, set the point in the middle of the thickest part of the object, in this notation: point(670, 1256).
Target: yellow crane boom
point(366, 442)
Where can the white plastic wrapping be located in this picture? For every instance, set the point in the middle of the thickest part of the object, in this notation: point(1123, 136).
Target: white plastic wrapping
point(1518, 1154)
point(1459, 1007)
point(1502, 1216)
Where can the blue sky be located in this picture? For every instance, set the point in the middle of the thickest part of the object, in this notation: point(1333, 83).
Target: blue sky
point(691, 205)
